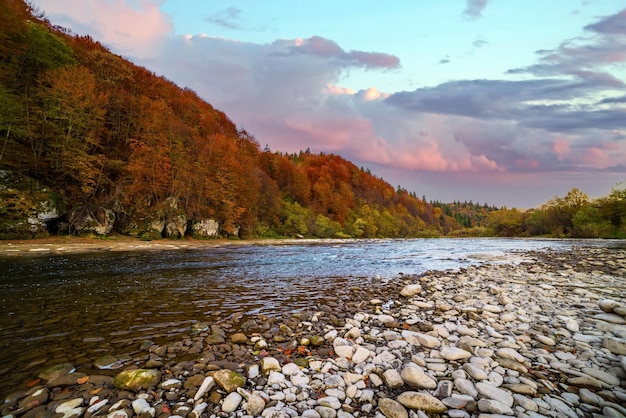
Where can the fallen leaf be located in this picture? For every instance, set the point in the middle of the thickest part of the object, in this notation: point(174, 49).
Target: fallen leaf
point(82, 380)
point(33, 383)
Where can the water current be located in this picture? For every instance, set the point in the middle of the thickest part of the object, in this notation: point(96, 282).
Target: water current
point(76, 307)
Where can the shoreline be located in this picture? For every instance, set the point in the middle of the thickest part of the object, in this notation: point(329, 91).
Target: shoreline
point(120, 243)
point(545, 336)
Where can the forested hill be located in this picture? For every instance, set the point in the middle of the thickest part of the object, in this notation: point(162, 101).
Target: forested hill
point(92, 144)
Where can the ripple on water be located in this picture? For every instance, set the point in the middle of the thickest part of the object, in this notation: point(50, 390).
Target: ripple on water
point(76, 306)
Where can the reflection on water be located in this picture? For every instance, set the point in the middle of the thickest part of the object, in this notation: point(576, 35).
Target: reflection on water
point(60, 307)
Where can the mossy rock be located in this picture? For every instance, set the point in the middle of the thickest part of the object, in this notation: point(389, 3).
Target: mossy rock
point(316, 340)
point(137, 379)
point(229, 380)
point(57, 371)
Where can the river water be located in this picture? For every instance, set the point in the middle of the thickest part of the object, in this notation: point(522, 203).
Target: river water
point(76, 307)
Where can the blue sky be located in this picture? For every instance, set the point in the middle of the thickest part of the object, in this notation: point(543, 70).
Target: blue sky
point(509, 102)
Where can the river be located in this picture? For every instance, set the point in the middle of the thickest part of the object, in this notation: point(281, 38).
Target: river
point(76, 307)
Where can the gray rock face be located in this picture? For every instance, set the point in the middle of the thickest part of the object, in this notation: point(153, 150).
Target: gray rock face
point(205, 228)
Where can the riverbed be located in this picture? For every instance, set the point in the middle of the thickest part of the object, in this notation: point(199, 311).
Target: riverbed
point(74, 306)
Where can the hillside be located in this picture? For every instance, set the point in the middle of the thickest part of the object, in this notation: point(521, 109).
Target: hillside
point(93, 144)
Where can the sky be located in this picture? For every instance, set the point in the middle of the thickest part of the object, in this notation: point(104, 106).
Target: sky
point(507, 102)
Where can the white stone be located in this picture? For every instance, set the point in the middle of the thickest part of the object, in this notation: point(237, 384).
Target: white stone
point(360, 355)
point(299, 379)
point(417, 338)
point(207, 384)
point(275, 378)
point(476, 372)
point(141, 406)
point(231, 402)
point(466, 387)
point(290, 369)
point(454, 353)
point(601, 375)
point(510, 354)
point(608, 305)
point(492, 308)
point(393, 378)
point(492, 406)
point(411, 290)
point(269, 364)
point(495, 393)
point(415, 377)
point(545, 340)
point(330, 402)
point(386, 318)
point(198, 410)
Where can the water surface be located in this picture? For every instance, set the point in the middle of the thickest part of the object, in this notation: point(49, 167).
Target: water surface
point(75, 307)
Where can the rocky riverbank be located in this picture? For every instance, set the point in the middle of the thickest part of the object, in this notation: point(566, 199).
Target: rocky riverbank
point(546, 337)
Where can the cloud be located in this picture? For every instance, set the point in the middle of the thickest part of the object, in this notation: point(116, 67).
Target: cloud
point(228, 18)
point(479, 43)
point(114, 23)
point(586, 58)
point(613, 25)
point(474, 8)
point(565, 115)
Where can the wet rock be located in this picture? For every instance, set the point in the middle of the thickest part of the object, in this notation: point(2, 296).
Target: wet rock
point(137, 379)
point(57, 371)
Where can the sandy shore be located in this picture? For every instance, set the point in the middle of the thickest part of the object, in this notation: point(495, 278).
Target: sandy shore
point(75, 245)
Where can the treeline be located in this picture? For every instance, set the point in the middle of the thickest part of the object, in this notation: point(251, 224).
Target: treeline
point(573, 215)
point(92, 144)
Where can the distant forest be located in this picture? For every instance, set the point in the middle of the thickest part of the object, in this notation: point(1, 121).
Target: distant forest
point(91, 144)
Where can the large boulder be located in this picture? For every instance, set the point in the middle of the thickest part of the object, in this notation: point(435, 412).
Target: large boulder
point(176, 226)
point(99, 221)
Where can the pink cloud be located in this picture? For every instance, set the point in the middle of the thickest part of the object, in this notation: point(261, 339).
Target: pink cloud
point(561, 148)
point(288, 94)
point(131, 30)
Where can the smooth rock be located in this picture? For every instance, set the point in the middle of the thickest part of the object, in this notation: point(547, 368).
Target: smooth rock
point(231, 402)
point(608, 305)
point(392, 378)
point(609, 378)
point(392, 409)
point(360, 355)
point(495, 393)
point(411, 290)
point(454, 353)
point(492, 406)
point(510, 354)
point(207, 384)
point(611, 318)
point(466, 387)
point(141, 406)
point(269, 364)
point(476, 372)
point(137, 379)
point(415, 377)
point(422, 401)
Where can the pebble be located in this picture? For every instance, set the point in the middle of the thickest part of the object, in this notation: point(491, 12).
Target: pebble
point(531, 339)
